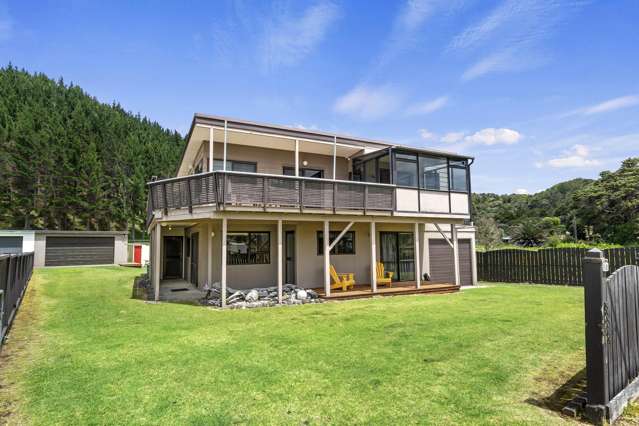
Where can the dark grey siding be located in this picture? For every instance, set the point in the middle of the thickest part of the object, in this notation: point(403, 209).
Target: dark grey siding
point(11, 245)
point(66, 251)
point(442, 267)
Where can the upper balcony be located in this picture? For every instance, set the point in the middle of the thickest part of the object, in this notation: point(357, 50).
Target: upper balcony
point(237, 165)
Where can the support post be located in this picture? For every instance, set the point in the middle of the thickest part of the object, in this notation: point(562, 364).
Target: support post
point(453, 233)
point(211, 142)
point(225, 143)
point(425, 251)
point(157, 243)
point(223, 256)
point(596, 327)
point(279, 261)
point(209, 254)
point(417, 262)
point(297, 157)
point(327, 261)
point(334, 158)
point(373, 258)
point(473, 259)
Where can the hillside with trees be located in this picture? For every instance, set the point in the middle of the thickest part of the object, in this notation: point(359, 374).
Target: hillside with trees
point(70, 162)
point(602, 210)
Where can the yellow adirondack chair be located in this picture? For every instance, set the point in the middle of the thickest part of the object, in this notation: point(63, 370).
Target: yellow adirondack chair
point(343, 281)
point(384, 278)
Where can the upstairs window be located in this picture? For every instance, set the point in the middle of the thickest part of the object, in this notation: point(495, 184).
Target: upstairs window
point(406, 169)
point(235, 166)
point(459, 175)
point(248, 248)
point(433, 173)
point(346, 244)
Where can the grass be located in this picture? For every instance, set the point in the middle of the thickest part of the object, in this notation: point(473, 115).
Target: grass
point(83, 352)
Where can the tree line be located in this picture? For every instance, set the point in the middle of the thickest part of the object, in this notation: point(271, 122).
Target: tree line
point(604, 210)
point(70, 162)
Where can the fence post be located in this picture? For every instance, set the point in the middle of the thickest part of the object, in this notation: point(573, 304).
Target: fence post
point(596, 311)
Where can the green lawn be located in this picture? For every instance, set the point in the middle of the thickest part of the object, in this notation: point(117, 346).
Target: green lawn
point(83, 352)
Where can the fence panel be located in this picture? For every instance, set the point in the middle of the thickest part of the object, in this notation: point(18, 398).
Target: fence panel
point(546, 266)
point(15, 273)
point(612, 334)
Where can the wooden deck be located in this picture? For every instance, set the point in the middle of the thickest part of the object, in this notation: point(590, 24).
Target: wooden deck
point(400, 288)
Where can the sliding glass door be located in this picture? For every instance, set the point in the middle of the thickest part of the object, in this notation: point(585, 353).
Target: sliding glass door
point(398, 254)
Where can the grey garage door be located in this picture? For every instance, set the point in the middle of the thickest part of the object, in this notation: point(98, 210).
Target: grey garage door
point(67, 251)
point(442, 268)
point(10, 245)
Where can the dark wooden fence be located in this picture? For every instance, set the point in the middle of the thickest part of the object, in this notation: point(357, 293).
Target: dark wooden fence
point(545, 266)
point(612, 336)
point(15, 273)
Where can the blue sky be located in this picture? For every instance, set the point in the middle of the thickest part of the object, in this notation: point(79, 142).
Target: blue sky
point(539, 91)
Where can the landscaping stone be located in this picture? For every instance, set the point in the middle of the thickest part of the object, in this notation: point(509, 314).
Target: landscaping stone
point(259, 297)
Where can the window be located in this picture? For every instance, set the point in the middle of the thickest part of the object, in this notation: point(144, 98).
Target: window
point(459, 176)
point(346, 244)
point(304, 172)
point(370, 170)
point(433, 173)
point(384, 169)
point(406, 173)
point(248, 248)
point(235, 166)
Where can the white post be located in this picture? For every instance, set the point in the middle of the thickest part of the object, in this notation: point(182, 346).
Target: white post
point(334, 157)
point(473, 258)
point(297, 157)
point(209, 254)
point(373, 258)
point(157, 242)
point(417, 261)
point(327, 261)
point(426, 250)
point(223, 275)
point(279, 261)
point(211, 142)
point(453, 231)
point(225, 143)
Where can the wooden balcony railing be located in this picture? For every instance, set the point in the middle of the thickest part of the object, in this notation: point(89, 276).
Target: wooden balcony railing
point(234, 189)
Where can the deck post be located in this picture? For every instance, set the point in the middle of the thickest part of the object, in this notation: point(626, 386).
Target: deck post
point(209, 254)
point(417, 262)
point(327, 261)
point(453, 233)
point(373, 258)
point(223, 256)
point(279, 261)
point(211, 142)
point(473, 259)
point(225, 143)
point(157, 241)
point(334, 159)
point(425, 251)
point(297, 157)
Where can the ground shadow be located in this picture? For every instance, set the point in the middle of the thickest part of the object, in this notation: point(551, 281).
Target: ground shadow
point(562, 395)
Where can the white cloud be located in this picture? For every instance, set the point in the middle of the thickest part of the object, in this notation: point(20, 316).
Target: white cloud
point(606, 106)
point(289, 39)
point(427, 135)
point(506, 60)
point(522, 191)
point(452, 137)
point(488, 136)
point(367, 102)
point(424, 108)
point(414, 13)
point(577, 156)
point(492, 136)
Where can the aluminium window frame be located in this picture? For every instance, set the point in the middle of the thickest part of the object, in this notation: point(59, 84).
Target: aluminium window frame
point(248, 248)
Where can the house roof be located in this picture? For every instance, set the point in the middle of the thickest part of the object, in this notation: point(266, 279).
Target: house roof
point(293, 132)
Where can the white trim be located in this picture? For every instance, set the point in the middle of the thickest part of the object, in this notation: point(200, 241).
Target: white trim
point(297, 157)
point(418, 278)
point(211, 143)
point(279, 261)
point(334, 157)
point(339, 237)
point(373, 237)
point(453, 233)
point(225, 144)
point(156, 260)
point(209, 254)
point(473, 259)
point(327, 261)
point(223, 275)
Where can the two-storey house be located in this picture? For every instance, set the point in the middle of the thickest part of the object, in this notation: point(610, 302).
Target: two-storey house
point(256, 205)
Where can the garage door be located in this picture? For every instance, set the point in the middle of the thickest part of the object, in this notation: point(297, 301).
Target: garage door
point(66, 251)
point(442, 268)
point(10, 245)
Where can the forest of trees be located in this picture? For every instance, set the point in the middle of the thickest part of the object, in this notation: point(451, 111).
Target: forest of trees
point(602, 210)
point(70, 162)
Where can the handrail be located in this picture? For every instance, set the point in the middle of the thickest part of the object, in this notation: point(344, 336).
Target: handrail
point(230, 172)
